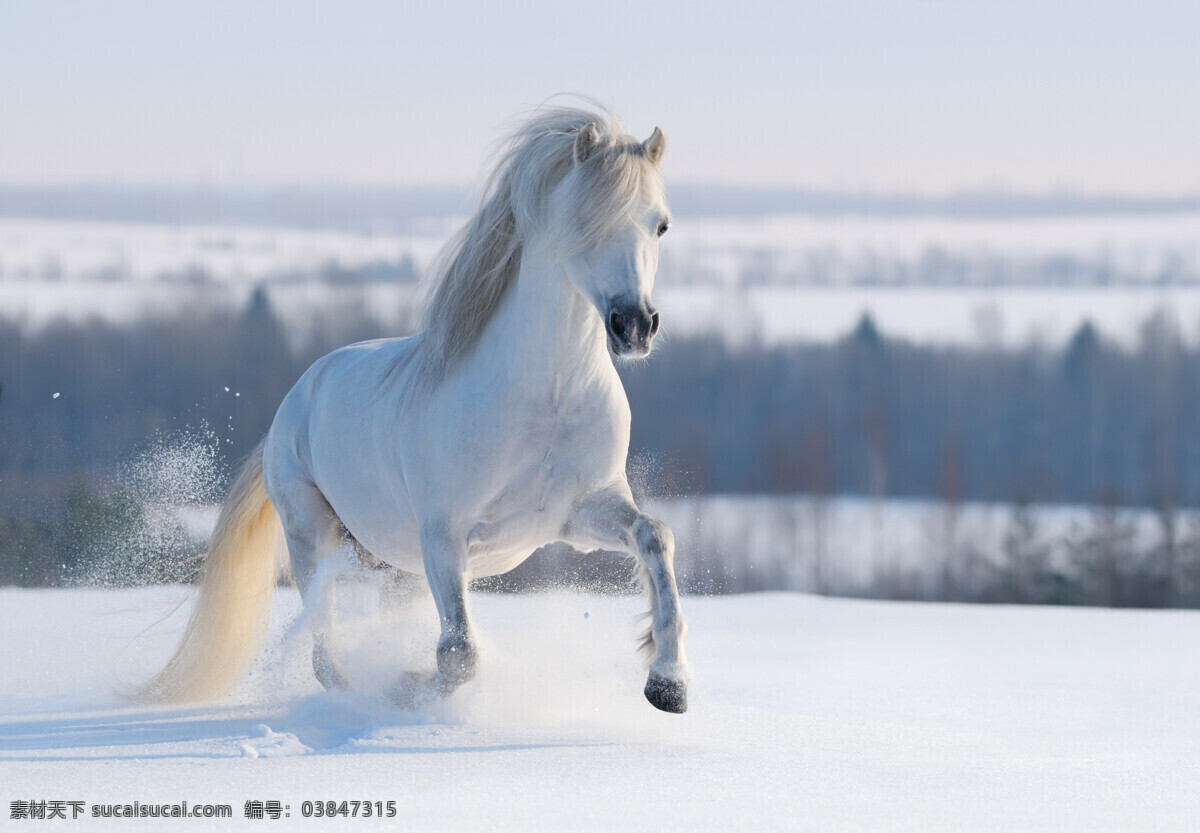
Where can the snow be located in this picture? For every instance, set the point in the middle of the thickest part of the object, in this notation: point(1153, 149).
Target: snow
point(72, 250)
point(825, 249)
point(1010, 281)
point(806, 714)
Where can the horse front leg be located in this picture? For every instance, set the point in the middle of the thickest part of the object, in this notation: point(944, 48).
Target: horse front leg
point(445, 558)
point(610, 520)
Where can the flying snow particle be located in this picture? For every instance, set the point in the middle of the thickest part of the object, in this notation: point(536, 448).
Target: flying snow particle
point(56, 395)
point(227, 390)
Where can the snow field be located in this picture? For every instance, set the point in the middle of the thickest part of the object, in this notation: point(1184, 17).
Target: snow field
point(773, 280)
point(806, 714)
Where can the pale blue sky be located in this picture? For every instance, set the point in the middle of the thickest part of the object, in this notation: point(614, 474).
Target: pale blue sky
point(930, 96)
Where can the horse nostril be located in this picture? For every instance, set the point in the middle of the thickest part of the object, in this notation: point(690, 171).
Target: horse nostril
point(653, 324)
point(617, 324)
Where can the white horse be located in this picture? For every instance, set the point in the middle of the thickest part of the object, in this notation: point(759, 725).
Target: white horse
point(457, 452)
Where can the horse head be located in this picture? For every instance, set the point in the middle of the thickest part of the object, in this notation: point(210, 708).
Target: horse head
point(613, 208)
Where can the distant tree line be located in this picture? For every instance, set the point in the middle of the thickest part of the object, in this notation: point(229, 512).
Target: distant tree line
point(924, 551)
point(1091, 423)
point(872, 416)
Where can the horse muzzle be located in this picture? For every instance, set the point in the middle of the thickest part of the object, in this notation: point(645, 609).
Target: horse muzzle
point(631, 328)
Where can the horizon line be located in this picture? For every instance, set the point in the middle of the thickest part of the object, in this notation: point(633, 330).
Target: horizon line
point(338, 202)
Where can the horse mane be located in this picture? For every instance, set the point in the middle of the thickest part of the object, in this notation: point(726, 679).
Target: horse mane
point(473, 272)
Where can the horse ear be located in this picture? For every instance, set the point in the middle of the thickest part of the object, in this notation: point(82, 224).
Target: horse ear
point(586, 142)
point(655, 145)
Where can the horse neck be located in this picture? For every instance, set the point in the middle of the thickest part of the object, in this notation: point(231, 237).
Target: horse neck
point(547, 327)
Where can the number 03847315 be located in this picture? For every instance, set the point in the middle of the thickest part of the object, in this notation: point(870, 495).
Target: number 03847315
point(348, 809)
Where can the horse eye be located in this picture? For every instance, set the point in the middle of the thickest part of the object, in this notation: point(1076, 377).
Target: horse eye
point(662, 228)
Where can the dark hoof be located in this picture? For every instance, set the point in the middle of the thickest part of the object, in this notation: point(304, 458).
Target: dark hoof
point(326, 670)
point(456, 661)
point(666, 695)
point(332, 679)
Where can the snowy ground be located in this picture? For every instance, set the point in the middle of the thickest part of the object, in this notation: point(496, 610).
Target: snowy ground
point(806, 714)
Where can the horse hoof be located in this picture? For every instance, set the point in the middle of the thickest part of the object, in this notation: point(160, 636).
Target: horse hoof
point(333, 680)
point(456, 661)
point(328, 673)
point(666, 695)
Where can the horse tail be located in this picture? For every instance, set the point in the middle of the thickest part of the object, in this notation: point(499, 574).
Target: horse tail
point(229, 621)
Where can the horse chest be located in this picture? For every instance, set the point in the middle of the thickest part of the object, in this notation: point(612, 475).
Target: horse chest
point(568, 451)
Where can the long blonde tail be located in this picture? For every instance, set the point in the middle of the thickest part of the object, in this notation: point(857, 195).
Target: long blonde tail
point(229, 622)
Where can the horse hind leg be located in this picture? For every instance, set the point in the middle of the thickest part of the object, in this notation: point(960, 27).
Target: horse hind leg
point(325, 667)
point(320, 602)
point(313, 533)
point(398, 588)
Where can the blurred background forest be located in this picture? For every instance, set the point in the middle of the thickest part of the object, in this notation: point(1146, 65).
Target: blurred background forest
point(1055, 467)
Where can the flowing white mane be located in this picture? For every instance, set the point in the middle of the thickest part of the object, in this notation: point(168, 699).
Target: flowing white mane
point(472, 273)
